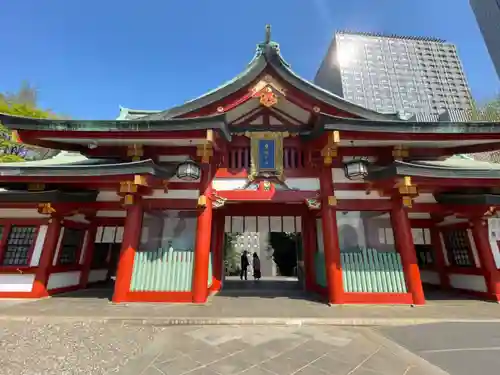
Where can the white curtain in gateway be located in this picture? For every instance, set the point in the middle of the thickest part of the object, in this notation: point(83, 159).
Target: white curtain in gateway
point(250, 224)
point(275, 224)
point(262, 224)
point(289, 224)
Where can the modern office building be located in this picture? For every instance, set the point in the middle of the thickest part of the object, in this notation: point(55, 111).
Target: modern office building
point(488, 17)
point(423, 76)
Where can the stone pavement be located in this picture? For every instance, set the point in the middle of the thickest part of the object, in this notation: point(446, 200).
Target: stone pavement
point(251, 310)
point(459, 348)
point(67, 348)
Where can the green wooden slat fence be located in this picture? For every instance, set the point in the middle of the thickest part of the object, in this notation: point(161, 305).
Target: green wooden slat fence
point(367, 271)
point(164, 271)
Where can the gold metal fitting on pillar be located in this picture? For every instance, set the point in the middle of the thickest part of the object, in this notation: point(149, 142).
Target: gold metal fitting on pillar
point(205, 152)
point(330, 151)
point(399, 152)
point(332, 200)
point(140, 180)
point(407, 187)
point(46, 209)
point(128, 187)
point(128, 199)
point(202, 201)
point(135, 152)
point(407, 201)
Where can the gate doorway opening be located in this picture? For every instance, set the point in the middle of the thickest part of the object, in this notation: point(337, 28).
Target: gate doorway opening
point(279, 249)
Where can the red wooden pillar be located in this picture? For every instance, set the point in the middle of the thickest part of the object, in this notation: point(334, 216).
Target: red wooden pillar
point(131, 239)
point(439, 260)
point(488, 265)
point(88, 254)
point(404, 244)
point(46, 258)
point(218, 252)
point(202, 247)
point(309, 249)
point(333, 264)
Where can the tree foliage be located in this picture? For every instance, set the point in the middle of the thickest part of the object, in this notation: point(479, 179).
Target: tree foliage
point(489, 111)
point(21, 103)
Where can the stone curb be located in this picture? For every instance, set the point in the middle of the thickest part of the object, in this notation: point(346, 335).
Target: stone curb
point(244, 321)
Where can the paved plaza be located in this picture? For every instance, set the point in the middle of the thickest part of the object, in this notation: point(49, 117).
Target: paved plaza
point(459, 348)
point(109, 348)
point(95, 304)
point(84, 333)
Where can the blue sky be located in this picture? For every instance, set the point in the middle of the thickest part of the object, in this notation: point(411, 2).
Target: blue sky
point(88, 57)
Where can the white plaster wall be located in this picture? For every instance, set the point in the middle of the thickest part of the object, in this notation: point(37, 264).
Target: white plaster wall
point(121, 213)
point(84, 247)
point(494, 237)
point(468, 282)
point(37, 250)
point(445, 252)
point(173, 158)
point(22, 213)
point(425, 198)
point(79, 218)
point(303, 183)
point(97, 275)
point(58, 247)
point(228, 183)
point(473, 248)
point(430, 277)
point(357, 194)
point(16, 282)
point(175, 194)
point(63, 279)
point(108, 196)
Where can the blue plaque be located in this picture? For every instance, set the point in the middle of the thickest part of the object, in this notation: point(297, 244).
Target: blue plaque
point(267, 155)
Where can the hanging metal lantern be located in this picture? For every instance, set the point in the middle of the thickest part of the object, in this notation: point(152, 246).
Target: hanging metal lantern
point(188, 171)
point(356, 169)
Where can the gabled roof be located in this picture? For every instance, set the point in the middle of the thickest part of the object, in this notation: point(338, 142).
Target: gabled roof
point(268, 56)
point(216, 121)
point(134, 114)
point(330, 122)
point(85, 167)
point(453, 168)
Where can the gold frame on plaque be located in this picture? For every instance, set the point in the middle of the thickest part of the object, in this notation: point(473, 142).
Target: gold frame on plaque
point(255, 137)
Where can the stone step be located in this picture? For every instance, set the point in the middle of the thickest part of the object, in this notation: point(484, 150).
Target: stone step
point(261, 293)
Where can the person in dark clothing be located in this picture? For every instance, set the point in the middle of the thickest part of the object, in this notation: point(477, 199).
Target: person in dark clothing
point(244, 265)
point(256, 267)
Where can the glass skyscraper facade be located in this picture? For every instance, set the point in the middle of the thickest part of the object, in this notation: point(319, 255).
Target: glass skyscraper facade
point(423, 76)
point(487, 14)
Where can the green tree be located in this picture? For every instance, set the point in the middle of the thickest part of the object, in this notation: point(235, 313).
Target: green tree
point(231, 254)
point(21, 103)
point(489, 111)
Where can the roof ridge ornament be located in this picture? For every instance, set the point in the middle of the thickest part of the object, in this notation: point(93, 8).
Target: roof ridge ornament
point(267, 39)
